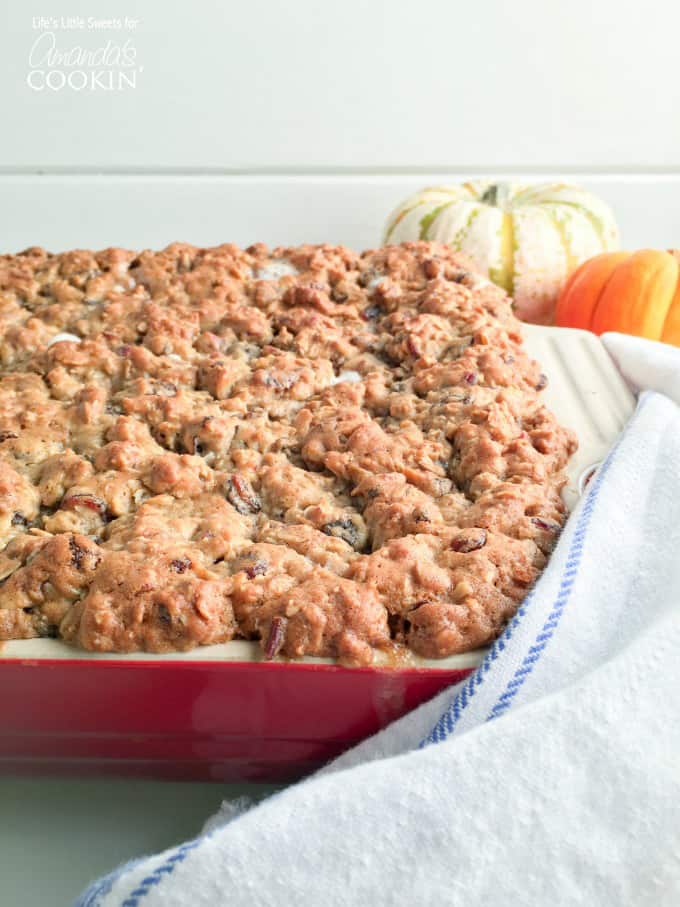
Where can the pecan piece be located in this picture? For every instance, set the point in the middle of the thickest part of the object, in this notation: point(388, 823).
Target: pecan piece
point(276, 637)
point(467, 543)
point(84, 500)
point(242, 497)
point(546, 525)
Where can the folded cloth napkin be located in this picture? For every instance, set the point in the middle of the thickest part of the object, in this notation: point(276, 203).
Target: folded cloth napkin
point(550, 776)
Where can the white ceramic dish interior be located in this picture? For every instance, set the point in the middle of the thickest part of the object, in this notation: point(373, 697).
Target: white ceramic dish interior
point(586, 393)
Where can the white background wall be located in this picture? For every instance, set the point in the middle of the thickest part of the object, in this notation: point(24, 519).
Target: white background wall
point(150, 211)
point(237, 103)
point(303, 84)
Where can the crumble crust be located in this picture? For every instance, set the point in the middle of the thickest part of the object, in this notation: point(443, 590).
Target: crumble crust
point(333, 453)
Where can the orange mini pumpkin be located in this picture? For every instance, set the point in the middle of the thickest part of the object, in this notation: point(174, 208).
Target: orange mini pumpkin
point(631, 292)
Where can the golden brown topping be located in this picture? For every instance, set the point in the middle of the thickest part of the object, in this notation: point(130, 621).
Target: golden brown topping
point(329, 452)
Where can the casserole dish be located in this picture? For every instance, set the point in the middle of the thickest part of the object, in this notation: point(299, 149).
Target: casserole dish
point(221, 712)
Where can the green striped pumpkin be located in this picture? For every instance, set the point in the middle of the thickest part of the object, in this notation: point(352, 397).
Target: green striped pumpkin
point(526, 238)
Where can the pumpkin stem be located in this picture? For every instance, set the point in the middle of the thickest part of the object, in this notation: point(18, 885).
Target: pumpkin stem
point(496, 194)
point(491, 194)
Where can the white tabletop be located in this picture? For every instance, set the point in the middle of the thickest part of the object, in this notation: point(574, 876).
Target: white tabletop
point(56, 835)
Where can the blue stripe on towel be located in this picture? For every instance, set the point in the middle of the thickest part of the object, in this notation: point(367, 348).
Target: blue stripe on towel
point(568, 578)
point(93, 895)
point(167, 868)
point(447, 722)
point(449, 719)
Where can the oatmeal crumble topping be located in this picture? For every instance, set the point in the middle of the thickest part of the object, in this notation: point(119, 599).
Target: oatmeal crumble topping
point(328, 452)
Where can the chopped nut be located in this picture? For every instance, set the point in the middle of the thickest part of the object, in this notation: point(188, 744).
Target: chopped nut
point(470, 542)
point(84, 500)
point(546, 525)
point(461, 590)
point(276, 637)
point(242, 497)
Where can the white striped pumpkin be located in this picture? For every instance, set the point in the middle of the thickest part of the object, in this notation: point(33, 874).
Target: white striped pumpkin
point(526, 238)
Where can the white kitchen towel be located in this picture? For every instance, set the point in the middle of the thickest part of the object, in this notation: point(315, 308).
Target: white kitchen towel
point(550, 777)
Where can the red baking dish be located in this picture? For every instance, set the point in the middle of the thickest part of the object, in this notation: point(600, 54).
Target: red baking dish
point(198, 719)
point(222, 713)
